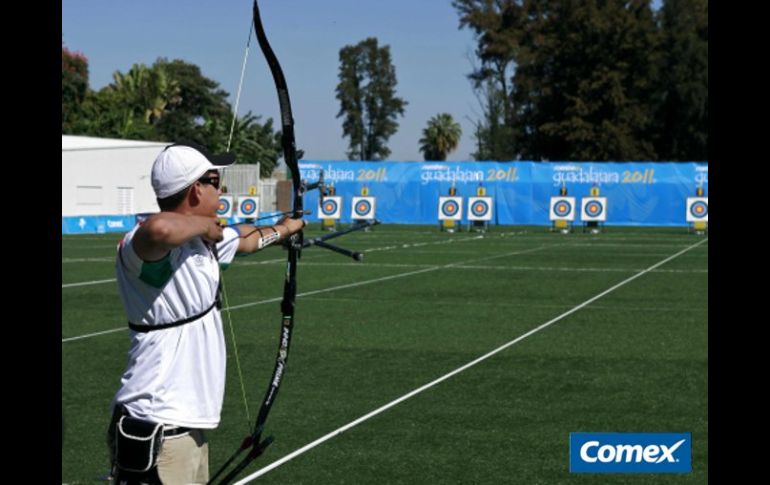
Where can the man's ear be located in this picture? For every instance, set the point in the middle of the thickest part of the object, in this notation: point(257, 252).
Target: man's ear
point(194, 196)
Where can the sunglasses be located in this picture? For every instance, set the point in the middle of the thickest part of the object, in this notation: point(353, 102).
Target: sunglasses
point(211, 181)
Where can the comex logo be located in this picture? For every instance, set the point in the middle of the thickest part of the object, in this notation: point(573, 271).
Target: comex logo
point(630, 453)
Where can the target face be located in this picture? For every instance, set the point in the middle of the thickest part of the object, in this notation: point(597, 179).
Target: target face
point(363, 208)
point(450, 208)
point(697, 209)
point(248, 207)
point(594, 209)
point(562, 208)
point(330, 208)
point(225, 206)
point(479, 208)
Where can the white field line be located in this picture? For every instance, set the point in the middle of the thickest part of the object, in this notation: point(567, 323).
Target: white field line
point(80, 238)
point(567, 247)
point(628, 245)
point(505, 268)
point(88, 283)
point(597, 270)
point(340, 287)
point(98, 246)
point(88, 260)
point(464, 266)
point(507, 304)
point(427, 386)
point(251, 263)
point(598, 237)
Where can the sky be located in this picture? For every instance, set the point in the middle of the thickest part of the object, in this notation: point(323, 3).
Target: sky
point(431, 55)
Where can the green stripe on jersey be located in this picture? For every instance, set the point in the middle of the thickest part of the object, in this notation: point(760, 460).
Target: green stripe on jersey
point(157, 273)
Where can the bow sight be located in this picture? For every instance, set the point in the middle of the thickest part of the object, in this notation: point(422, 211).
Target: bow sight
point(321, 241)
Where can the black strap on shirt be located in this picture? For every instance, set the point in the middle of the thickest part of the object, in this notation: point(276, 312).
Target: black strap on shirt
point(150, 328)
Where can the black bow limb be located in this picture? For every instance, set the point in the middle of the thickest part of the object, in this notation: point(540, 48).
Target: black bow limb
point(254, 441)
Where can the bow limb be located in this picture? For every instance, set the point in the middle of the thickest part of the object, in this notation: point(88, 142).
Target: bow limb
point(254, 441)
point(288, 143)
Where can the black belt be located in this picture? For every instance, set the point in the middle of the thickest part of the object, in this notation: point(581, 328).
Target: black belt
point(121, 411)
point(175, 431)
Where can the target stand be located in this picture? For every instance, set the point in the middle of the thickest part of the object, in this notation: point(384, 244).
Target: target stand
point(593, 214)
point(450, 212)
point(225, 208)
point(562, 214)
point(698, 215)
point(329, 211)
point(363, 209)
point(479, 213)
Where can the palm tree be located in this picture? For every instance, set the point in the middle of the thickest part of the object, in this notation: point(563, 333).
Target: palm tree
point(440, 136)
point(146, 91)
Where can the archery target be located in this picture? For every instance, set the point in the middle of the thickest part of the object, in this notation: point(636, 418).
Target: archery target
point(697, 209)
point(225, 207)
point(331, 208)
point(594, 209)
point(450, 208)
point(562, 209)
point(248, 207)
point(363, 208)
point(479, 208)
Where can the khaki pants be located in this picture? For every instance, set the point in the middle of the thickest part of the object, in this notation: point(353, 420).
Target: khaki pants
point(184, 459)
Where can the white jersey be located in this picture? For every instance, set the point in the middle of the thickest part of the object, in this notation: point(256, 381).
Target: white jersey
point(176, 375)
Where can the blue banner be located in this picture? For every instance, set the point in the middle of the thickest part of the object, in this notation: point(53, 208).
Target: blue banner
point(97, 224)
point(638, 193)
point(630, 453)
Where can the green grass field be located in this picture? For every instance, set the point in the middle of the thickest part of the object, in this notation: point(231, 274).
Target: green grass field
point(421, 305)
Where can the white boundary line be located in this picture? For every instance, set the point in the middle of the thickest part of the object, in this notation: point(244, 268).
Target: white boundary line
point(88, 283)
point(267, 261)
point(105, 259)
point(340, 287)
point(576, 269)
point(462, 266)
point(513, 305)
point(381, 409)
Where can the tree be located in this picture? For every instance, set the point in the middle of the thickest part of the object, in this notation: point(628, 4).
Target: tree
point(439, 137)
point(74, 86)
point(592, 84)
point(494, 137)
point(366, 92)
point(499, 31)
point(144, 94)
point(172, 101)
point(201, 99)
point(103, 114)
point(583, 82)
point(683, 92)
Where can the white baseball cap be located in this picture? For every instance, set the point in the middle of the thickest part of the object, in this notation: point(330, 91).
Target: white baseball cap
point(178, 166)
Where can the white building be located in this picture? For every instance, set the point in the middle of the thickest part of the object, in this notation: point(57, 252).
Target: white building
point(103, 176)
point(105, 182)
